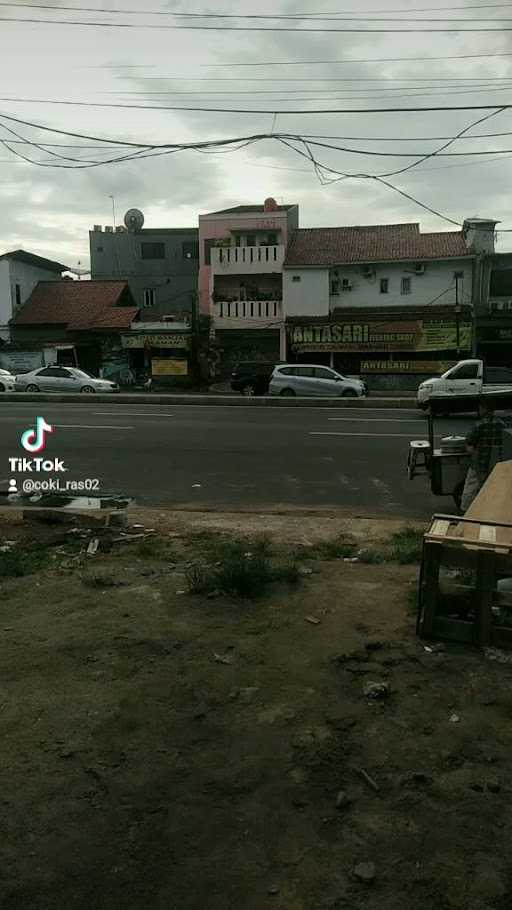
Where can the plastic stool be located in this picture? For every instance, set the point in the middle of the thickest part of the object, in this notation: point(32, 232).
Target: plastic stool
point(419, 457)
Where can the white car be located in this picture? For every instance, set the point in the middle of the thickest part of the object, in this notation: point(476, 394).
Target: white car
point(62, 379)
point(304, 379)
point(7, 381)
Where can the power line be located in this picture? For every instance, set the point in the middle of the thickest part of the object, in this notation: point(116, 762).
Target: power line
point(251, 28)
point(359, 60)
point(229, 110)
point(274, 79)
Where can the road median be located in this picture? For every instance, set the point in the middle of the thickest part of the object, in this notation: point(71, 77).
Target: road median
point(211, 400)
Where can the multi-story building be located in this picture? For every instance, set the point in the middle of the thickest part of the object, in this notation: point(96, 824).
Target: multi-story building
point(20, 272)
point(494, 318)
point(159, 264)
point(241, 256)
point(385, 300)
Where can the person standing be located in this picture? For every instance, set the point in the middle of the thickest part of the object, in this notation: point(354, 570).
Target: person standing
point(485, 445)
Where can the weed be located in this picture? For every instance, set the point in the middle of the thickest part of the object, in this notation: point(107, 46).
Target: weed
point(242, 569)
point(372, 556)
point(154, 548)
point(335, 548)
point(407, 545)
point(17, 563)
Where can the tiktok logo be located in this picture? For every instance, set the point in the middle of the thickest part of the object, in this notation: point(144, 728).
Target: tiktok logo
point(34, 440)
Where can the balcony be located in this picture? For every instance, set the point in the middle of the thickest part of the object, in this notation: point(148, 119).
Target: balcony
point(247, 313)
point(236, 260)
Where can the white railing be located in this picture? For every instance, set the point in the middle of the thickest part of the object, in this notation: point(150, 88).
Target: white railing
point(248, 309)
point(247, 258)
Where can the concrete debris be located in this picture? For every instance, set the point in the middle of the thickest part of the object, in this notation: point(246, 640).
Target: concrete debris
point(499, 656)
point(365, 872)
point(435, 649)
point(223, 659)
point(138, 527)
point(196, 486)
point(376, 691)
point(368, 780)
point(313, 620)
point(93, 546)
point(343, 800)
point(454, 719)
point(350, 559)
point(304, 570)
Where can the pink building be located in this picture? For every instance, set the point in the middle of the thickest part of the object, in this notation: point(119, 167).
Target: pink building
point(241, 255)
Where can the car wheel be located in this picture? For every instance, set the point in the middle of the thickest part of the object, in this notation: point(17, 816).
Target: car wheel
point(287, 393)
point(248, 390)
point(88, 389)
point(349, 393)
point(32, 388)
point(2, 387)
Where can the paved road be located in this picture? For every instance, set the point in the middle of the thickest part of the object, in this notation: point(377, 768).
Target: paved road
point(243, 458)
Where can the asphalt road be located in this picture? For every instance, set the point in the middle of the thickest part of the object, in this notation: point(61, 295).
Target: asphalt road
point(235, 458)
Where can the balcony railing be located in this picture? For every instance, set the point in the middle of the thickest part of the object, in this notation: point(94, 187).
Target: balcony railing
point(247, 258)
point(248, 309)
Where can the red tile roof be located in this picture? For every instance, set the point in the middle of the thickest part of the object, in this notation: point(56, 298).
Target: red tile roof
point(79, 305)
point(371, 243)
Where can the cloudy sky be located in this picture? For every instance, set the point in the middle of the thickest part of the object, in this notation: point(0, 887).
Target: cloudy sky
point(50, 210)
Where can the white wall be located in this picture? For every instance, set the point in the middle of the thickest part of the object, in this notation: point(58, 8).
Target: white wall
point(5, 299)
point(307, 297)
point(311, 296)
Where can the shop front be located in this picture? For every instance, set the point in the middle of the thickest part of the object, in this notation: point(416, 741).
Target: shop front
point(387, 353)
point(162, 356)
point(494, 342)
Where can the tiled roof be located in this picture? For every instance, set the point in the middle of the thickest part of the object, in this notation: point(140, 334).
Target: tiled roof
point(251, 209)
point(79, 305)
point(372, 243)
point(32, 259)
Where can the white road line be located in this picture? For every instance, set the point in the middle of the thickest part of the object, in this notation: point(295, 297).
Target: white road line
point(130, 414)
point(83, 426)
point(376, 419)
point(375, 435)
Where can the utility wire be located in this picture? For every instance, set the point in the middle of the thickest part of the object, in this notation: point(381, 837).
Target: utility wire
point(267, 63)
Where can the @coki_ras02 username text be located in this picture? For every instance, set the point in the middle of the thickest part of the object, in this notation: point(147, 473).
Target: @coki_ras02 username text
point(57, 486)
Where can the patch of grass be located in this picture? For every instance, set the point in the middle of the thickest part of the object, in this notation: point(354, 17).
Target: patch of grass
point(98, 581)
point(343, 545)
point(412, 599)
point(407, 545)
point(372, 556)
point(154, 547)
point(241, 569)
point(17, 563)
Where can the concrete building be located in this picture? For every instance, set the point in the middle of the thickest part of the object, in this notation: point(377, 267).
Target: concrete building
point(160, 265)
point(385, 300)
point(20, 272)
point(494, 319)
point(241, 256)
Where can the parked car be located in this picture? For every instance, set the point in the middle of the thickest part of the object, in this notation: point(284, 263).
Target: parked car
point(7, 381)
point(310, 379)
point(252, 377)
point(62, 379)
point(468, 378)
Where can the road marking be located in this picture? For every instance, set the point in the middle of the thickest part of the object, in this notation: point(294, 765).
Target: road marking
point(375, 419)
point(83, 426)
point(375, 435)
point(130, 413)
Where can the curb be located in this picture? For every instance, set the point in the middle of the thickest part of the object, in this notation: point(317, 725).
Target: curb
point(214, 400)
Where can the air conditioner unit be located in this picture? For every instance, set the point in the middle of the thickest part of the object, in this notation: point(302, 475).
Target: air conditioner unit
point(419, 268)
point(109, 229)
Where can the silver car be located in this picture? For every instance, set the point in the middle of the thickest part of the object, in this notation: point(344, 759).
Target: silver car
point(7, 381)
point(310, 379)
point(62, 379)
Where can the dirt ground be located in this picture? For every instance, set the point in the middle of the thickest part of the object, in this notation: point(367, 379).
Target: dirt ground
point(164, 751)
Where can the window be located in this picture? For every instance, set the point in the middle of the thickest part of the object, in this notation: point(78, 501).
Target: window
point(152, 250)
point(190, 250)
point(250, 240)
point(304, 371)
point(50, 371)
point(296, 278)
point(99, 249)
point(208, 244)
point(18, 295)
point(149, 296)
point(384, 285)
point(468, 371)
point(271, 239)
point(335, 287)
point(324, 373)
point(287, 371)
point(405, 286)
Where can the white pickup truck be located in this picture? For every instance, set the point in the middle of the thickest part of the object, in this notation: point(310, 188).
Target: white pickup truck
point(468, 378)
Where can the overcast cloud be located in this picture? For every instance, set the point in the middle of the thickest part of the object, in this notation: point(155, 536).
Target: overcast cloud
point(49, 211)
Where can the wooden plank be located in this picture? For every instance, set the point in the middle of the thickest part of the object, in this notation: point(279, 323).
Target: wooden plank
point(439, 527)
point(487, 534)
point(493, 504)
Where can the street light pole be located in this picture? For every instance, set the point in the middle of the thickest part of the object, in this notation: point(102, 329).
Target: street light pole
point(458, 276)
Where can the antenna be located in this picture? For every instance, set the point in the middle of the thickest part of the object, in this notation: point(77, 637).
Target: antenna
point(134, 219)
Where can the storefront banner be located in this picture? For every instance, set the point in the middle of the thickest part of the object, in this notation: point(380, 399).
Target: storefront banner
point(495, 334)
point(21, 361)
point(406, 366)
point(417, 335)
point(169, 367)
point(142, 340)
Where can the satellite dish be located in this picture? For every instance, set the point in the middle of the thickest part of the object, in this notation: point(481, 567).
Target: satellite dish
point(134, 219)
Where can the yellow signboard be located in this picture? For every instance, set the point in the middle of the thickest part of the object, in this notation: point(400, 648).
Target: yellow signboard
point(161, 340)
point(413, 335)
point(406, 366)
point(168, 367)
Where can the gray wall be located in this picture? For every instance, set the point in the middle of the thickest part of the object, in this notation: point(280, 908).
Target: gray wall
point(173, 278)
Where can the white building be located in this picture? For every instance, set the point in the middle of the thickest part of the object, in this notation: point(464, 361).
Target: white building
point(19, 273)
point(383, 298)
